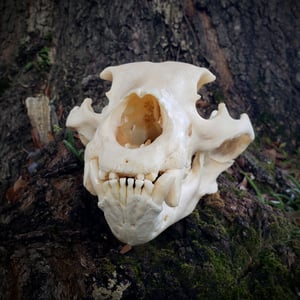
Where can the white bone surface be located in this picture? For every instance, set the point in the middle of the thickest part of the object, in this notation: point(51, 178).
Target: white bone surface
point(149, 155)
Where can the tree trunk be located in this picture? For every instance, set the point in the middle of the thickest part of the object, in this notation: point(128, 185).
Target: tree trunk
point(55, 242)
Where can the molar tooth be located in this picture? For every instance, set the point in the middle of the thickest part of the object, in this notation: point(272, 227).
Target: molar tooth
point(151, 176)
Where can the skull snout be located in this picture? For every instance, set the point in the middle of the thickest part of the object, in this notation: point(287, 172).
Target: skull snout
point(140, 122)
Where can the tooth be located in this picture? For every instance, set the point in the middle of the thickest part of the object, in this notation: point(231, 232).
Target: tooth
point(129, 145)
point(115, 188)
point(113, 175)
point(130, 182)
point(93, 171)
point(106, 189)
point(102, 175)
point(148, 142)
point(173, 196)
point(148, 187)
point(161, 188)
point(123, 194)
point(86, 176)
point(168, 188)
point(138, 186)
point(90, 179)
point(140, 176)
point(151, 176)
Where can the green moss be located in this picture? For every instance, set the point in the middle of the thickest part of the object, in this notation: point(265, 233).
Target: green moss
point(213, 259)
point(43, 60)
point(270, 278)
point(107, 267)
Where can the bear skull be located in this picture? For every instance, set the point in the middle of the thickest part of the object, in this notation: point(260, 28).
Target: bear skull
point(149, 155)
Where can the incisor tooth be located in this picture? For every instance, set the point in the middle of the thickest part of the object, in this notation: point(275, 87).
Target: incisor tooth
point(140, 176)
point(123, 192)
point(115, 188)
point(130, 182)
point(138, 186)
point(148, 187)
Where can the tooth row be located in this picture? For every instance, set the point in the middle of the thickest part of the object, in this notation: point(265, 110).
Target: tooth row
point(112, 175)
point(121, 189)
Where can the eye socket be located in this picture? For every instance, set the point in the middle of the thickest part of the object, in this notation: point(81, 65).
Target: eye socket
point(140, 123)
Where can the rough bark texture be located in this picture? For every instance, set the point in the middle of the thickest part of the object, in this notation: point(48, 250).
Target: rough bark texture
point(55, 243)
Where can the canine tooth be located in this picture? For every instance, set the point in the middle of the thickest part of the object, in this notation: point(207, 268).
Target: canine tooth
point(93, 171)
point(138, 186)
point(173, 195)
point(151, 176)
point(162, 187)
point(113, 175)
point(90, 178)
point(102, 175)
point(86, 178)
point(123, 194)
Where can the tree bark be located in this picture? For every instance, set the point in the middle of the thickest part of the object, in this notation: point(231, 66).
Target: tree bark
point(55, 242)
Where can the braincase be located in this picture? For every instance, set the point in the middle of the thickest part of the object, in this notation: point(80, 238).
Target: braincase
point(182, 80)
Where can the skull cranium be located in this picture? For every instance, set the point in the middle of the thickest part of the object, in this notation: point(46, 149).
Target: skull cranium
point(149, 155)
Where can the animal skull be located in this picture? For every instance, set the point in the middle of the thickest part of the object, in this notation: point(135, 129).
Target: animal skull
point(149, 155)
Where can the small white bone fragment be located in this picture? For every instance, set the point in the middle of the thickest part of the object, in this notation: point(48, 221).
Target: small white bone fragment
point(149, 155)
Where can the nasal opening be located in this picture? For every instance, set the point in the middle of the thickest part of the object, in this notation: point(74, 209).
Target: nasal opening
point(140, 123)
